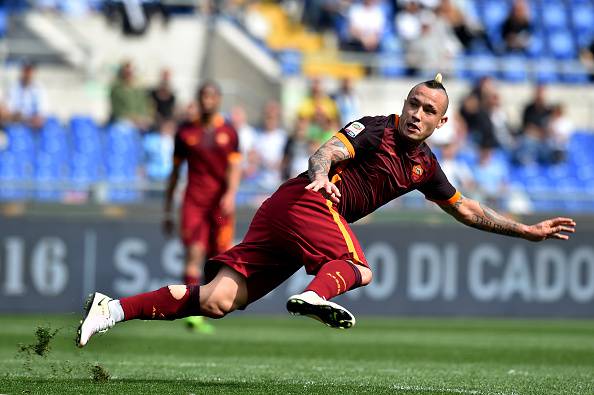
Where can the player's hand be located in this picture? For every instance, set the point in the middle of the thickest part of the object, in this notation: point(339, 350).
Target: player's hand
point(167, 226)
point(326, 188)
point(555, 228)
point(228, 203)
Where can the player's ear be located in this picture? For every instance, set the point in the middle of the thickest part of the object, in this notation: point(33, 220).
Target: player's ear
point(442, 122)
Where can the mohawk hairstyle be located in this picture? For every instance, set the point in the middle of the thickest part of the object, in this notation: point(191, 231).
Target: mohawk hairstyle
point(436, 84)
point(208, 84)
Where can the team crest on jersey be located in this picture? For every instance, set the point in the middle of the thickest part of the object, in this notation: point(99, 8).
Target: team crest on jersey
point(192, 140)
point(222, 139)
point(417, 173)
point(354, 129)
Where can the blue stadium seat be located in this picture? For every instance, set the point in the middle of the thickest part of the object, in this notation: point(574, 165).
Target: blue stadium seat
point(554, 16)
point(480, 66)
point(562, 45)
point(290, 62)
point(582, 18)
point(48, 174)
point(20, 140)
point(574, 73)
point(536, 47)
point(514, 68)
point(494, 13)
point(86, 138)
point(53, 138)
point(546, 71)
point(12, 170)
point(3, 21)
point(392, 66)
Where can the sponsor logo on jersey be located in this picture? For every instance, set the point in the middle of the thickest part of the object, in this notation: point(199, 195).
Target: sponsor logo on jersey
point(417, 173)
point(354, 129)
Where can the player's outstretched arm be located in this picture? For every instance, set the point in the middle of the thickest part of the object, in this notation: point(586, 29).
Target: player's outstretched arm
point(474, 214)
point(332, 152)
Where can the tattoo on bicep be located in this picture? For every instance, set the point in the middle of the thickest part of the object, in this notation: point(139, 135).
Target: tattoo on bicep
point(492, 221)
point(333, 151)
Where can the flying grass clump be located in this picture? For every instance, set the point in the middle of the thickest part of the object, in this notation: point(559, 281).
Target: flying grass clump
point(99, 374)
point(41, 347)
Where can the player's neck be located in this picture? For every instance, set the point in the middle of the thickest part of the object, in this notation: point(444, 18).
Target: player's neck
point(207, 119)
point(405, 143)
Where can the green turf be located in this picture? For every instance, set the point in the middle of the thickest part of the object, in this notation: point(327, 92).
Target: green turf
point(295, 355)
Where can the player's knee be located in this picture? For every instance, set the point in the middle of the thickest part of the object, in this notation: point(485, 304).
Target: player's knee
point(216, 308)
point(177, 291)
point(366, 275)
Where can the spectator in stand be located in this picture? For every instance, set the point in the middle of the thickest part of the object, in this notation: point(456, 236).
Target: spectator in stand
point(247, 139)
point(475, 113)
point(560, 129)
point(408, 21)
point(26, 99)
point(467, 31)
point(366, 24)
point(322, 128)
point(298, 150)
point(158, 149)
point(317, 101)
point(347, 101)
point(502, 129)
point(535, 144)
point(517, 28)
point(163, 100)
point(435, 49)
point(587, 58)
point(270, 144)
point(321, 15)
point(128, 101)
point(537, 112)
point(457, 171)
point(490, 175)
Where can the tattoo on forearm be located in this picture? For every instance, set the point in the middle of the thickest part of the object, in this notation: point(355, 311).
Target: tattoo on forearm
point(491, 221)
point(333, 151)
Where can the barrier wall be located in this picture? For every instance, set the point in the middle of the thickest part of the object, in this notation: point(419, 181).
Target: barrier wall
point(50, 265)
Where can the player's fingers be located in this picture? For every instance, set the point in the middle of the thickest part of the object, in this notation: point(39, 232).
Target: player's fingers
point(560, 236)
point(328, 188)
point(335, 190)
point(334, 199)
point(310, 185)
point(568, 229)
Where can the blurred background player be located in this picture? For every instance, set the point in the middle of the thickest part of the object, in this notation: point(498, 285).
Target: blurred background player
point(210, 146)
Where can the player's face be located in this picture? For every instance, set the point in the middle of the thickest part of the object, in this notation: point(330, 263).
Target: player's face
point(209, 100)
point(422, 113)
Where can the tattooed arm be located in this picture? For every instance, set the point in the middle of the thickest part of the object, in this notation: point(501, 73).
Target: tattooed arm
point(332, 152)
point(476, 215)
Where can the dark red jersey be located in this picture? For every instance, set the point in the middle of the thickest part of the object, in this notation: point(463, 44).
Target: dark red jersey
point(208, 149)
point(382, 167)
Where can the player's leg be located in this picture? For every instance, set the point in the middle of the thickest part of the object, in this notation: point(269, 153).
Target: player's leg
point(342, 267)
point(334, 278)
point(224, 294)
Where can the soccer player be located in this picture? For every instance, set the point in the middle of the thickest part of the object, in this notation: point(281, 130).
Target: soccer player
point(210, 146)
point(305, 223)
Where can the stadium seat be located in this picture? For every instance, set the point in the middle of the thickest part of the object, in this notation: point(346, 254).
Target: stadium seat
point(290, 62)
point(582, 18)
point(562, 45)
point(536, 47)
point(3, 21)
point(494, 13)
point(480, 66)
point(554, 16)
point(574, 73)
point(48, 173)
point(546, 71)
point(514, 68)
point(13, 172)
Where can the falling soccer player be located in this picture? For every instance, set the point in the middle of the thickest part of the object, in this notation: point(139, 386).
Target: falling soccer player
point(305, 223)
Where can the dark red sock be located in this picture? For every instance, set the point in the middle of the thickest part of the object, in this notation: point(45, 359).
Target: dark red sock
point(191, 280)
point(161, 305)
point(335, 278)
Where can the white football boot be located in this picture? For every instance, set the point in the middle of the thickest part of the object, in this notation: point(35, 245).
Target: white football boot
point(312, 305)
point(96, 318)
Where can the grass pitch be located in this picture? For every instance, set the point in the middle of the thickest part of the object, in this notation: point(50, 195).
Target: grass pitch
point(295, 355)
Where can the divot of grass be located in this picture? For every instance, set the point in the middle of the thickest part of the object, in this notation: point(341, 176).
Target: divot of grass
point(99, 374)
point(44, 336)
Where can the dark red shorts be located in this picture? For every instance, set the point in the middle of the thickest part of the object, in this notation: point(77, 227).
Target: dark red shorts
point(295, 227)
point(206, 227)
